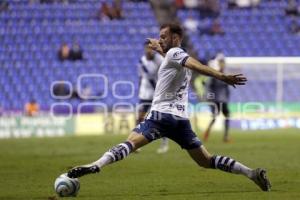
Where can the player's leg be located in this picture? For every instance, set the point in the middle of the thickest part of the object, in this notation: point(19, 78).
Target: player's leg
point(143, 109)
point(204, 159)
point(114, 154)
point(144, 133)
point(215, 108)
point(188, 140)
point(164, 146)
point(140, 118)
point(122, 150)
point(226, 113)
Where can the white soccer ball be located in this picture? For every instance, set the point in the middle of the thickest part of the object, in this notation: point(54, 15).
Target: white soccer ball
point(66, 187)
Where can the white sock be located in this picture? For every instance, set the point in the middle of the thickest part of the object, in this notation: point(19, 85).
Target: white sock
point(239, 168)
point(104, 160)
point(230, 165)
point(116, 153)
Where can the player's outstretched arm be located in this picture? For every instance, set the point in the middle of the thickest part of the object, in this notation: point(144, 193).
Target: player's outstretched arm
point(235, 79)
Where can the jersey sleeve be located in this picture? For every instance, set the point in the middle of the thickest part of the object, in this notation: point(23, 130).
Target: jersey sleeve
point(177, 55)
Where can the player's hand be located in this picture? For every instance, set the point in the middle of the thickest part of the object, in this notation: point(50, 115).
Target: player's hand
point(233, 80)
point(154, 45)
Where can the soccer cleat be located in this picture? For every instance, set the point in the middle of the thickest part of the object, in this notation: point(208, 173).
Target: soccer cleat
point(261, 179)
point(77, 172)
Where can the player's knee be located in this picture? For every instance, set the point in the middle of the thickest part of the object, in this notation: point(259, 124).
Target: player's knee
point(137, 140)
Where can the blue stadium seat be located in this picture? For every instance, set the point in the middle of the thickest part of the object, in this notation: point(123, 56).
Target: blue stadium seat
point(31, 34)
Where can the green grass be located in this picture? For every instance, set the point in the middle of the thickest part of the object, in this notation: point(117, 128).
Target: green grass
point(28, 168)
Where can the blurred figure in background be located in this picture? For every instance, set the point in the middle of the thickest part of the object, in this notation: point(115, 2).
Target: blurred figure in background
point(147, 70)
point(243, 3)
point(211, 28)
point(116, 9)
point(60, 89)
point(32, 108)
point(86, 91)
point(109, 13)
point(292, 8)
point(104, 12)
point(64, 52)
point(198, 80)
point(191, 24)
point(3, 5)
point(53, 1)
point(216, 28)
point(209, 8)
point(190, 4)
point(218, 95)
point(294, 26)
point(75, 52)
point(84, 94)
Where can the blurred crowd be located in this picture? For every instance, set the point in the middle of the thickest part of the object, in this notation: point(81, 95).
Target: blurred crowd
point(107, 12)
point(72, 53)
point(292, 12)
point(208, 23)
point(209, 11)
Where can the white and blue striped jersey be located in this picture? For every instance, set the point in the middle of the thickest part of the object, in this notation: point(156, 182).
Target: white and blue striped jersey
point(171, 92)
point(148, 74)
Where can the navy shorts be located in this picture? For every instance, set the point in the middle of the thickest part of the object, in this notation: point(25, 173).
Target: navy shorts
point(176, 128)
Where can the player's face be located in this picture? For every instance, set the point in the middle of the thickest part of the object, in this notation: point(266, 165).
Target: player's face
point(165, 39)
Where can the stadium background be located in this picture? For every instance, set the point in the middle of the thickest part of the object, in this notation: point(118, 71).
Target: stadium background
point(100, 91)
point(32, 33)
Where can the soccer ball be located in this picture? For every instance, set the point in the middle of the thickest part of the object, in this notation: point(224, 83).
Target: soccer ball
point(66, 187)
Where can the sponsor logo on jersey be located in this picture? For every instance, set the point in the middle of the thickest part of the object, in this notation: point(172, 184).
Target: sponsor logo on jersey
point(176, 54)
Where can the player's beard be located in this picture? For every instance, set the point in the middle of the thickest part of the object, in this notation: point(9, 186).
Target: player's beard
point(168, 46)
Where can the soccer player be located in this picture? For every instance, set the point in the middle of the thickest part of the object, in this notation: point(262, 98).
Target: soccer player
point(148, 68)
point(218, 95)
point(169, 117)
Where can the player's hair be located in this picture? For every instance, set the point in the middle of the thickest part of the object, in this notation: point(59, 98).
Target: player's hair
point(174, 28)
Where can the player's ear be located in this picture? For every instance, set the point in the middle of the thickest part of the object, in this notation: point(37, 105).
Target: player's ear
point(175, 37)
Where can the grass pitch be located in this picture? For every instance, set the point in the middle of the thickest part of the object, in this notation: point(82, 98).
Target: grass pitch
point(28, 168)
